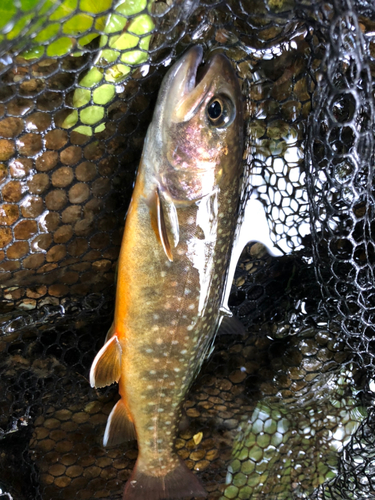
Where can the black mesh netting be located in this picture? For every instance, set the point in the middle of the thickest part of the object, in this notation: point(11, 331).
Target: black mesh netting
point(283, 412)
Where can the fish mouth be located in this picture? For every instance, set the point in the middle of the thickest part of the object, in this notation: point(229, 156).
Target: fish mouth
point(183, 77)
point(187, 84)
point(190, 63)
point(192, 82)
point(179, 82)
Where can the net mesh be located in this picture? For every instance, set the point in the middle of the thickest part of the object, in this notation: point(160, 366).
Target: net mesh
point(283, 412)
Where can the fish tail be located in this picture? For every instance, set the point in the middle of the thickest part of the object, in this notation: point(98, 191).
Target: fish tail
point(179, 483)
point(120, 426)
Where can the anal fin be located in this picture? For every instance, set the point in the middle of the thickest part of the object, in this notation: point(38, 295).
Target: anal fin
point(106, 367)
point(119, 428)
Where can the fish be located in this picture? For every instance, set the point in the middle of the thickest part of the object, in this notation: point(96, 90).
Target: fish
point(172, 267)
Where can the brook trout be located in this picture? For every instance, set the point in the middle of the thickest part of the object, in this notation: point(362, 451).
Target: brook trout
point(172, 268)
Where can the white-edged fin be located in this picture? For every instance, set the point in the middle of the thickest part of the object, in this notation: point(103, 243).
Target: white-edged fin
point(106, 367)
point(170, 216)
point(225, 311)
point(119, 426)
point(253, 227)
point(162, 229)
point(231, 326)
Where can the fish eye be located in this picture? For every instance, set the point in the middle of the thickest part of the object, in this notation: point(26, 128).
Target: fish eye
point(220, 111)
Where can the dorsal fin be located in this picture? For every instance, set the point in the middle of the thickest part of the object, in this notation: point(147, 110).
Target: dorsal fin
point(162, 228)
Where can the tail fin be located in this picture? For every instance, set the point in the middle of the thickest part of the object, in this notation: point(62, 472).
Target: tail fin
point(180, 483)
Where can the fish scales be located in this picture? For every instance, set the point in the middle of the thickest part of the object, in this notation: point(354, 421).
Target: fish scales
point(172, 267)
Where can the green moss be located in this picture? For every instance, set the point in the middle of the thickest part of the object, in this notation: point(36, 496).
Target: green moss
point(81, 97)
point(248, 467)
point(7, 11)
point(91, 115)
point(64, 10)
point(231, 492)
point(239, 479)
point(78, 24)
point(71, 119)
point(19, 26)
point(60, 47)
point(245, 493)
point(131, 7)
point(48, 33)
point(103, 94)
point(94, 6)
point(91, 78)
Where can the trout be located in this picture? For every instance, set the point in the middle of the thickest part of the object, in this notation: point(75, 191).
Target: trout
point(172, 268)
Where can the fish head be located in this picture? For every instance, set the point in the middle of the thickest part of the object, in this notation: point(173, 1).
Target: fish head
point(198, 126)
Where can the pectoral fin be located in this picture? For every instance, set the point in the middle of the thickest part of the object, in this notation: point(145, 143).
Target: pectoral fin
point(106, 367)
point(164, 220)
point(170, 215)
point(231, 326)
point(162, 228)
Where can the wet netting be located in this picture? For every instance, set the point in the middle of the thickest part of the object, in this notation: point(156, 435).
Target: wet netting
point(283, 412)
